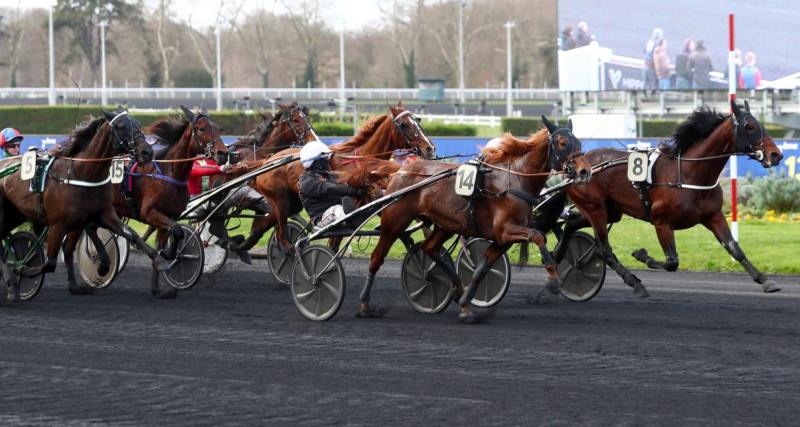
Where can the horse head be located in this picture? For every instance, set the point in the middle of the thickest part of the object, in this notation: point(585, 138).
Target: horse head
point(566, 153)
point(371, 174)
point(291, 126)
point(751, 138)
point(205, 135)
point(409, 127)
point(127, 136)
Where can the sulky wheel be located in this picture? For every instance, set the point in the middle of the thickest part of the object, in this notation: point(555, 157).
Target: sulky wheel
point(215, 255)
point(26, 252)
point(186, 268)
point(425, 284)
point(124, 252)
point(494, 285)
point(319, 293)
point(280, 262)
point(89, 261)
point(582, 271)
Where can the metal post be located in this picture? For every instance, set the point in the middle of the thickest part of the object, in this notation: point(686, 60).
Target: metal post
point(461, 5)
point(509, 86)
point(342, 97)
point(217, 32)
point(51, 93)
point(732, 80)
point(104, 94)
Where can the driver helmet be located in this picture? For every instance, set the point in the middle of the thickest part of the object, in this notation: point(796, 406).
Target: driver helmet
point(313, 151)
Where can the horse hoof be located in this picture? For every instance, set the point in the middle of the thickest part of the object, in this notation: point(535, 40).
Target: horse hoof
point(769, 287)
point(372, 313)
point(170, 294)
point(640, 255)
point(76, 289)
point(160, 264)
point(639, 291)
point(471, 318)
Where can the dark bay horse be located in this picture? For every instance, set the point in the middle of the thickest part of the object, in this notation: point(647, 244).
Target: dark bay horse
point(685, 190)
point(77, 191)
point(378, 138)
point(516, 171)
point(156, 194)
point(288, 127)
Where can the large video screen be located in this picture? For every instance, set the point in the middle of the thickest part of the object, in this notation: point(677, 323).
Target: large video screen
point(674, 45)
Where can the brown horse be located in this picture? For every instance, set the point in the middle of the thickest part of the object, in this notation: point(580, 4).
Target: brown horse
point(77, 191)
point(288, 127)
point(684, 190)
point(378, 138)
point(514, 173)
point(156, 194)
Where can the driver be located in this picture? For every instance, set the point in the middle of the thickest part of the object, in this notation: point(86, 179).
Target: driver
point(10, 139)
point(325, 200)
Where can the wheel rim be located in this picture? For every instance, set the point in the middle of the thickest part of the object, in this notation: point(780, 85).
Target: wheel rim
point(214, 254)
point(21, 243)
point(187, 266)
point(582, 271)
point(124, 247)
point(88, 259)
point(280, 264)
point(425, 284)
point(495, 284)
point(322, 298)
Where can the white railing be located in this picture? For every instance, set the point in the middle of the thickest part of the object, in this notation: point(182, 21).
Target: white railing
point(465, 120)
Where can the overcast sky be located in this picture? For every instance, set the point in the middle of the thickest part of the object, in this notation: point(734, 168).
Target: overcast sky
point(353, 14)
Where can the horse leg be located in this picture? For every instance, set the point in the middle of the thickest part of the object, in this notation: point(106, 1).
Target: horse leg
point(162, 236)
point(68, 248)
point(432, 246)
point(466, 315)
point(111, 221)
point(55, 236)
point(105, 260)
point(599, 220)
point(390, 230)
point(573, 223)
point(666, 237)
point(257, 230)
point(161, 221)
point(717, 225)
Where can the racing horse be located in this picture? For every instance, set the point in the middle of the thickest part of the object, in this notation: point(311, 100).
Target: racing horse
point(156, 194)
point(378, 138)
point(77, 192)
point(512, 174)
point(684, 191)
point(288, 127)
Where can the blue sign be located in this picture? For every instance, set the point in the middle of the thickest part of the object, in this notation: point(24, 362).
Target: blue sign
point(463, 148)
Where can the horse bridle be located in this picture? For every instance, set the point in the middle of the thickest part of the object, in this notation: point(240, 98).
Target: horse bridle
point(753, 150)
point(300, 135)
point(208, 146)
point(557, 159)
point(398, 125)
point(120, 142)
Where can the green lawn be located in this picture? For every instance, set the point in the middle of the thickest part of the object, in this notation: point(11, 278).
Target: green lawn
point(771, 247)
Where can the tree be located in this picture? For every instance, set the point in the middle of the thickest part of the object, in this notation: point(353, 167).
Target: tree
point(81, 18)
point(406, 28)
point(255, 37)
point(168, 52)
point(198, 38)
point(305, 17)
point(14, 31)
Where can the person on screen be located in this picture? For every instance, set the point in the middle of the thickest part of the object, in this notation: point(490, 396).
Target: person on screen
point(567, 41)
point(683, 75)
point(582, 36)
point(650, 78)
point(700, 64)
point(662, 65)
point(750, 77)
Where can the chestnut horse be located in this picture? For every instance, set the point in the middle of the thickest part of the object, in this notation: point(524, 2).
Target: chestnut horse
point(378, 138)
point(514, 173)
point(156, 194)
point(288, 127)
point(684, 192)
point(77, 191)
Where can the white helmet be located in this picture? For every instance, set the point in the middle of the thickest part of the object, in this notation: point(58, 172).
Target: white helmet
point(312, 151)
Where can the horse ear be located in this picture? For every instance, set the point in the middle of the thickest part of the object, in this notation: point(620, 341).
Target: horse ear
point(400, 104)
point(265, 116)
point(108, 115)
point(746, 106)
point(550, 127)
point(736, 110)
point(569, 125)
point(204, 110)
point(188, 113)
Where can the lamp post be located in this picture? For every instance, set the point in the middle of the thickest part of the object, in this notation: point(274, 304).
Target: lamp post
point(51, 93)
point(509, 94)
point(217, 32)
point(461, 5)
point(104, 95)
point(342, 98)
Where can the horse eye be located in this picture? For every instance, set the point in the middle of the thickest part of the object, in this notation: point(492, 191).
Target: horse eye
point(749, 127)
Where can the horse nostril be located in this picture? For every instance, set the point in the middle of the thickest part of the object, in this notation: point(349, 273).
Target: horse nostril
point(775, 158)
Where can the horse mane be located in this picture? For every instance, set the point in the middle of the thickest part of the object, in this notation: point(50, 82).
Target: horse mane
point(697, 127)
point(80, 137)
point(510, 148)
point(169, 132)
point(364, 133)
point(261, 130)
point(368, 172)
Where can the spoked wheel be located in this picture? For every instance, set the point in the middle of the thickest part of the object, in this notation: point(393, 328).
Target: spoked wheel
point(215, 255)
point(281, 263)
point(494, 285)
point(319, 296)
point(186, 268)
point(26, 252)
point(89, 261)
point(425, 284)
point(124, 251)
point(583, 269)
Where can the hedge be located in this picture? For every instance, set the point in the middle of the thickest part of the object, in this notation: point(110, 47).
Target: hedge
point(62, 118)
point(521, 126)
